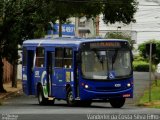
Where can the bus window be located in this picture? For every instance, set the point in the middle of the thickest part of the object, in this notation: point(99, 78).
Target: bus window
point(40, 57)
point(67, 58)
point(24, 56)
point(59, 57)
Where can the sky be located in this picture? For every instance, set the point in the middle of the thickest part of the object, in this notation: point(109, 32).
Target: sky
point(147, 24)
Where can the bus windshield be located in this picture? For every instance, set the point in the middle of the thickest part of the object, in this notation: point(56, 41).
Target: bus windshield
point(106, 64)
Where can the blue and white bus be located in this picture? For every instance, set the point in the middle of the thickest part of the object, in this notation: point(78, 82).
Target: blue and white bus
point(78, 70)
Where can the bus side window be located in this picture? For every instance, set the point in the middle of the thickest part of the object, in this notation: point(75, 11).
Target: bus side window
point(59, 57)
point(68, 54)
point(40, 57)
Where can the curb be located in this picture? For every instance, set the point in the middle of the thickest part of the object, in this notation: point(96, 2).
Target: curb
point(9, 94)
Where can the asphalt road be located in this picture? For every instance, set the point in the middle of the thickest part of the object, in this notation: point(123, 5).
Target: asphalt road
point(23, 107)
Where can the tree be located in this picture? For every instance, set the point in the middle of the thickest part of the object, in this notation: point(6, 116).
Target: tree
point(143, 51)
point(7, 35)
point(26, 19)
point(112, 10)
point(119, 35)
point(12, 30)
point(64, 9)
point(119, 11)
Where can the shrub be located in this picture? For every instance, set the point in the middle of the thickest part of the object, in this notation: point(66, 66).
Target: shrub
point(142, 66)
point(143, 51)
point(138, 58)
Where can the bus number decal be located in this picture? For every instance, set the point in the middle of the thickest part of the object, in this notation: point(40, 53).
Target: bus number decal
point(117, 85)
point(37, 74)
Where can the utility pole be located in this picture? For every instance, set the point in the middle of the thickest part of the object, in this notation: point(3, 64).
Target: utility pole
point(118, 28)
point(150, 71)
point(151, 50)
point(76, 27)
point(51, 24)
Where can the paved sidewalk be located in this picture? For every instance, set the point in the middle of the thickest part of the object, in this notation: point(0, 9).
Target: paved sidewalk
point(10, 91)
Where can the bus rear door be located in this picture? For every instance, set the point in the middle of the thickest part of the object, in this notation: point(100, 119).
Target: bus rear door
point(50, 71)
point(58, 76)
point(28, 74)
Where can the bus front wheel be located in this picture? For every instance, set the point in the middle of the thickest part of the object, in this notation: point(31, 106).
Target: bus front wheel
point(117, 103)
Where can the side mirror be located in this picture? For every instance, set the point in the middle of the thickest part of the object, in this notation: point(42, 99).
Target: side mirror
point(132, 58)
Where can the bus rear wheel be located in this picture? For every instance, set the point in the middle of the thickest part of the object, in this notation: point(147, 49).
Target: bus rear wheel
point(117, 103)
point(70, 99)
point(41, 99)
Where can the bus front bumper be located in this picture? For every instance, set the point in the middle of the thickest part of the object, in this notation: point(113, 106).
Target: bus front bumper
point(90, 95)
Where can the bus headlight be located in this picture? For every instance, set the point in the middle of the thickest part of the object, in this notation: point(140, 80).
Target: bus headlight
point(86, 86)
point(128, 85)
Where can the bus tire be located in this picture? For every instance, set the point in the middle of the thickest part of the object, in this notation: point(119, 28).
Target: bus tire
point(117, 103)
point(41, 99)
point(70, 100)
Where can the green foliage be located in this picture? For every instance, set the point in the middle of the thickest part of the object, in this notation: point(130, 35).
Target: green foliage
point(26, 19)
point(40, 32)
point(140, 66)
point(154, 95)
point(112, 10)
point(143, 52)
point(28, 14)
point(119, 10)
point(118, 35)
point(138, 58)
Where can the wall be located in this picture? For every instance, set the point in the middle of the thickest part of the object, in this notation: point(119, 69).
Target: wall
point(7, 71)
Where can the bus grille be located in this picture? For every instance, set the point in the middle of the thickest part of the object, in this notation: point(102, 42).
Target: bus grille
point(109, 89)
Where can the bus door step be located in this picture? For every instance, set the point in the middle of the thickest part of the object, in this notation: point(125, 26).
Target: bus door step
point(77, 98)
point(51, 98)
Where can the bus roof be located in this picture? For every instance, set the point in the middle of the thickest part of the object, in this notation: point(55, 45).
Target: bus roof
point(74, 42)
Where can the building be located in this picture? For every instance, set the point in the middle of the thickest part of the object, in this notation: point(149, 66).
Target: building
point(79, 27)
point(147, 24)
point(87, 27)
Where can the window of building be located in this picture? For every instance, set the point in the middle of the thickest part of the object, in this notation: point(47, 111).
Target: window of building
point(81, 24)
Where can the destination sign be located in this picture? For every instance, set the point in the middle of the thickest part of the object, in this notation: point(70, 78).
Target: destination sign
point(105, 44)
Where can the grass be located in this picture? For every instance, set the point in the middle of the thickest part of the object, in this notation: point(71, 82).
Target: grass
point(155, 97)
